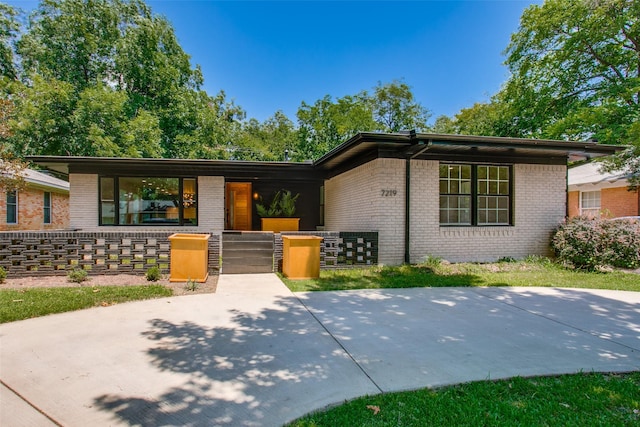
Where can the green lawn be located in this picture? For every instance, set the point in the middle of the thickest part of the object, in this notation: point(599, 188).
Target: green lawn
point(533, 272)
point(570, 400)
point(34, 302)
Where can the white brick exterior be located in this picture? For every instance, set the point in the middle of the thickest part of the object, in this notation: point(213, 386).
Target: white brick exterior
point(354, 202)
point(83, 201)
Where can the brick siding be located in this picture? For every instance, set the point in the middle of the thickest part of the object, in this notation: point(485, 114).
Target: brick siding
point(619, 201)
point(31, 211)
point(84, 206)
point(614, 202)
point(355, 201)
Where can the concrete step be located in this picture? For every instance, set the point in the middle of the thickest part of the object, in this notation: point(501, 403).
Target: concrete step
point(230, 236)
point(247, 252)
point(247, 244)
point(245, 269)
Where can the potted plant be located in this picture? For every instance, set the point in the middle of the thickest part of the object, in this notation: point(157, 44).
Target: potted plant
point(279, 214)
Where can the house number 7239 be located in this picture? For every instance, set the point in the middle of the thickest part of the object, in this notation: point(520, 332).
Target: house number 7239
point(389, 193)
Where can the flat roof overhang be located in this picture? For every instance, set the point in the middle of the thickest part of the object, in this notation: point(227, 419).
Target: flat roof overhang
point(367, 146)
point(358, 150)
point(230, 169)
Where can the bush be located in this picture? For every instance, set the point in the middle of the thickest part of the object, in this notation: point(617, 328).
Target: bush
point(78, 275)
point(153, 274)
point(3, 274)
point(589, 243)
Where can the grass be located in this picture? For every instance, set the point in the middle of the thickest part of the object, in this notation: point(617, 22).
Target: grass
point(531, 272)
point(35, 302)
point(567, 400)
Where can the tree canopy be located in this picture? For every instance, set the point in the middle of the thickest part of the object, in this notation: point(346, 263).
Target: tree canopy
point(104, 78)
point(575, 75)
point(109, 78)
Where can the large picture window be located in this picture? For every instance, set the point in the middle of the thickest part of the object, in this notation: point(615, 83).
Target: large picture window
point(148, 201)
point(475, 194)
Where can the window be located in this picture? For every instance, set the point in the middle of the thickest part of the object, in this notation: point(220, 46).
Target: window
point(46, 207)
point(455, 194)
point(475, 195)
point(590, 203)
point(12, 207)
point(148, 201)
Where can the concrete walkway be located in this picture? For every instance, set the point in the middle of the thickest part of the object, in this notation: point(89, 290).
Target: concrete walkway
point(255, 354)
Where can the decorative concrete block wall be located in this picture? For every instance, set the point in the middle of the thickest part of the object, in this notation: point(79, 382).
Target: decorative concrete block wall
point(337, 249)
point(58, 252)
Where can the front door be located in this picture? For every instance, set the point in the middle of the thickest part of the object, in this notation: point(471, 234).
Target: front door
point(238, 206)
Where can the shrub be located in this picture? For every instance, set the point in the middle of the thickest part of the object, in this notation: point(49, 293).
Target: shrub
point(589, 243)
point(153, 274)
point(191, 285)
point(77, 275)
point(3, 274)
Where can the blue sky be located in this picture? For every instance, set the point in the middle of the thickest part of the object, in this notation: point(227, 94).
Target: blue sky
point(270, 56)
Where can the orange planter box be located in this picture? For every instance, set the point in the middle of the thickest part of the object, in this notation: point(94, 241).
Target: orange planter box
point(301, 257)
point(189, 257)
point(280, 224)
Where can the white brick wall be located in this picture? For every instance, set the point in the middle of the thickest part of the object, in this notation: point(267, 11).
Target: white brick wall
point(83, 201)
point(540, 205)
point(354, 202)
point(83, 205)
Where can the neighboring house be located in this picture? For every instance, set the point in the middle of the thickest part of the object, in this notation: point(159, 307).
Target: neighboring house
point(594, 193)
point(43, 204)
point(461, 198)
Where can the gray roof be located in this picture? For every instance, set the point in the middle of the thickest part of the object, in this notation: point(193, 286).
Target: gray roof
point(590, 173)
point(44, 181)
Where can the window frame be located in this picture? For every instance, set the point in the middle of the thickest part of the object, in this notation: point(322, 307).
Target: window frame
point(46, 208)
point(475, 195)
point(13, 206)
point(592, 212)
point(182, 222)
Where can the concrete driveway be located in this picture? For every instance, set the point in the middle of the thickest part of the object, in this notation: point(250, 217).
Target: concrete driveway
point(254, 354)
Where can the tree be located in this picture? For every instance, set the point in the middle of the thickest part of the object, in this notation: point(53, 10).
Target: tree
point(119, 66)
point(8, 30)
point(325, 124)
point(575, 68)
point(274, 139)
point(395, 109)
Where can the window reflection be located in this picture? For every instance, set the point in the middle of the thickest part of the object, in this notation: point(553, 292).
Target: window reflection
point(148, 201)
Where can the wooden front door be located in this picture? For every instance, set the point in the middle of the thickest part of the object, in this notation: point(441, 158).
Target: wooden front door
point(238, 206)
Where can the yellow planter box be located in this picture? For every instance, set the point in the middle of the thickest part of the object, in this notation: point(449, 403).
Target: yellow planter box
point(280, 224)
point(189, 257)
point(301, 257)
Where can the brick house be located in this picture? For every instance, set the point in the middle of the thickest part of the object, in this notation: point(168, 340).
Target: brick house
point(462, 198)
point(43, 204)
point(596, 193)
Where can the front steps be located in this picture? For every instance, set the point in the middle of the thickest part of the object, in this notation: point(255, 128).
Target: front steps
point(245, 252)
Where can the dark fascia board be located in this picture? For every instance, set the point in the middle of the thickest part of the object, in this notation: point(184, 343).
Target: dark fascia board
point(230, 169)
point(407, 144)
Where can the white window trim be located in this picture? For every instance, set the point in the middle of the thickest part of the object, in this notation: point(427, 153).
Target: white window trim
point(594, 211)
